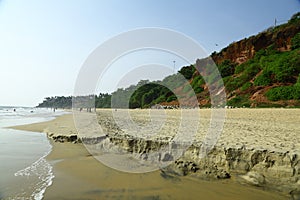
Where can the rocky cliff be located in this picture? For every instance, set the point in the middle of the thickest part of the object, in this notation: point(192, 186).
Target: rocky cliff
point(243, 50)
point(258, 71)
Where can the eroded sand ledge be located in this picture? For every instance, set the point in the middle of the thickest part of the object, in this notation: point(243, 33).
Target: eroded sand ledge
point(258, 146)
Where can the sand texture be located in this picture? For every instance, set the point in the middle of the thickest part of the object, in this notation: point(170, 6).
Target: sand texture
point(61, 129)
point(259, 147)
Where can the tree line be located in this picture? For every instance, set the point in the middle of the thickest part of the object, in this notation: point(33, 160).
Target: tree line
point(270, 68)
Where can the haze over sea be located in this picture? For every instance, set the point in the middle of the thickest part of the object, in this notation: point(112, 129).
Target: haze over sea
point(24, 171)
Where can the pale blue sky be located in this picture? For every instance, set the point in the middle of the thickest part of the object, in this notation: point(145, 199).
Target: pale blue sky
point(44, 43)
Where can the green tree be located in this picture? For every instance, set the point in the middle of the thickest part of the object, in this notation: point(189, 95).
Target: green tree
point(187, 71)
point(226, 68)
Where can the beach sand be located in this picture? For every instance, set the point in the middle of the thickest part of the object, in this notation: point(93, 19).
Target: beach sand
point(61, 125)
point(79, 176)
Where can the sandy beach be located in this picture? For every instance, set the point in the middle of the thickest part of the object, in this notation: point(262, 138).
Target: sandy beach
point(78, 175)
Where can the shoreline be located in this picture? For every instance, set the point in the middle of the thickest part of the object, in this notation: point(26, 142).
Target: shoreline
point(65, 156)
point(92, 180)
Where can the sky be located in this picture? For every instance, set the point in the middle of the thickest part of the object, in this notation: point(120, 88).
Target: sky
point(43, 44)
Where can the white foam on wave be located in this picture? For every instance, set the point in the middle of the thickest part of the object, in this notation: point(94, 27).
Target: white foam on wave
point(39, 175)
point(25, 116)
point(42, 170)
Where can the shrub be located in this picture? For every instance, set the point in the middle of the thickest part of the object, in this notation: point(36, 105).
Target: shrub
point(284, 76)
point(227, 79)
point(296, 41)
point(160, 99)
point(198, 90)
point(240, 68)
point(187, 71)
point(246, 86)
point(284, 93)
point(171, 98)
point(196, 84)
point(258, 55)
point(226, 68)
point(295, 62)
point(264, 79)
point(148, 97)
point(197, 81)
point(271, 50)
point(239, 101)
point(295, 17)
point(233, 84)
point(252, 70)
point(296, 94)
point(298, 81)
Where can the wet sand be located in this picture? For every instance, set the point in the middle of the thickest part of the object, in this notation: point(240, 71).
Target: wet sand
point(79, 176)
point(61, 125)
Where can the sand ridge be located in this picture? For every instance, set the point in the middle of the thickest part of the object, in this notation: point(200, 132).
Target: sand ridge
point(262, 142)
point(272, 129)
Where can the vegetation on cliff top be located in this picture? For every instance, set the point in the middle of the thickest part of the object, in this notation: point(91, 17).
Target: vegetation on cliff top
point(266, 75)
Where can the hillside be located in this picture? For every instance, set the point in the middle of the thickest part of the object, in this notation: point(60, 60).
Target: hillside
point(263, 70)
point(259, 71)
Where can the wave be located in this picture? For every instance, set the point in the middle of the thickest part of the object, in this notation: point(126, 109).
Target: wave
point(42, 172)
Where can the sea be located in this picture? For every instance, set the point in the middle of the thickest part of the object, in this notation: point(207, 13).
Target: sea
point(24, 171)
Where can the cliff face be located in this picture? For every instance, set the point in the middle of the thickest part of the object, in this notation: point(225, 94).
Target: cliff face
point(243, 50)
point(268, 169)
point(259, 71)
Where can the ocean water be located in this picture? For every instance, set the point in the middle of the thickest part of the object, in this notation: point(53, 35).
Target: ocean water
point(24, 171)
